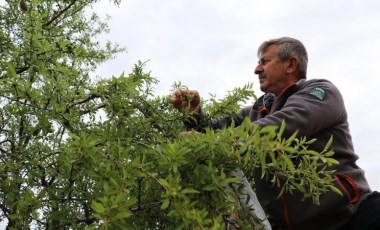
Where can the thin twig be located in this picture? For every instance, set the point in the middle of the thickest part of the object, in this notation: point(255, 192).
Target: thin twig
point(59, 14)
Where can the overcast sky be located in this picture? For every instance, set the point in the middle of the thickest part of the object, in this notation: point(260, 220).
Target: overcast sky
point(210, 45)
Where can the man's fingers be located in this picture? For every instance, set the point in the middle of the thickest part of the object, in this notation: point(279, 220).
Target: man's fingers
point(173, 100)
point(183, 97)
point(178, 93)
point(176, 102)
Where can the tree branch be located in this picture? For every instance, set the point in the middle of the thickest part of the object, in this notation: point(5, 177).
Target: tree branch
point(59, 14)
point(84, 100)
point(147, 206)
point(83, 112)
point(23, 69)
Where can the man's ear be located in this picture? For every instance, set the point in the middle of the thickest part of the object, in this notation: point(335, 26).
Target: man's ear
point(292, 65)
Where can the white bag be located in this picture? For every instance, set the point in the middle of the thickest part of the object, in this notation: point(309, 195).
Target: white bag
point(248, 193)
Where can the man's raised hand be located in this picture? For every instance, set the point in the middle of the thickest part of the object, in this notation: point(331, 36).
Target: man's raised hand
point(186, 99)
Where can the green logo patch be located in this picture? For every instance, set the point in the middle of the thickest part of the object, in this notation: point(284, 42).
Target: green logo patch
point(318, 92)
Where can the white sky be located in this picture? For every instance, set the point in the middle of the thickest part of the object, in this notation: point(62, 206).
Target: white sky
point(210, 45)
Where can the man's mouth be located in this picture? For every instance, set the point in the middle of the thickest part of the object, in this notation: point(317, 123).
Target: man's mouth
point(262, 76)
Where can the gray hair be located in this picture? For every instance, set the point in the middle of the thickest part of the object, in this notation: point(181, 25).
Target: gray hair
point(287, 48)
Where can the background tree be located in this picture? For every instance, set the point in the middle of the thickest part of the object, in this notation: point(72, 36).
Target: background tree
point(77, 153)
point(47, 52)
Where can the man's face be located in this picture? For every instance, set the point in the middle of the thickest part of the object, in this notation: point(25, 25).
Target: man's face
point(272, 71)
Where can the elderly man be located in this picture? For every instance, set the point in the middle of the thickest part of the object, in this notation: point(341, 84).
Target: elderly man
point(315, 109)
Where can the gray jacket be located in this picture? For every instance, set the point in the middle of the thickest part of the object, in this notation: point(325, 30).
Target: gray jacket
point(316, 109)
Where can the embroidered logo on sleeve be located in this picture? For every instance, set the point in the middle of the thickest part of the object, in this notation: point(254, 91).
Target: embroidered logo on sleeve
point(318, 92)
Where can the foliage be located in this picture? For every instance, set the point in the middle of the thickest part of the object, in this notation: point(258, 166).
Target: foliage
point(77, 153)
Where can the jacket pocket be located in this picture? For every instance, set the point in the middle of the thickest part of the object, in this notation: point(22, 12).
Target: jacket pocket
point(348, 187)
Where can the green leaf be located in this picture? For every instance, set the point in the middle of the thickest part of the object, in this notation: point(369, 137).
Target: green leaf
point(189, 190)
point(291, 138)
point(97, 207)
point(336, 190)
point(281, 131)
point(165, 204)
point(164, 182)
point(331, 161)
point(329, 153)
point(328, 145)
point(288, 162)
point(74, 136)
point(122, 215)
point(11, 71)
point(209, 187)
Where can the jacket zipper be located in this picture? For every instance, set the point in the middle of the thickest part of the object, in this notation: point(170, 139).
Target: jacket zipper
point(277, 99)
point(282, 198)
point(286, 213)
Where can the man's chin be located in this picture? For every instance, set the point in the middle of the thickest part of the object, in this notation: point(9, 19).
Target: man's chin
point(263, 88)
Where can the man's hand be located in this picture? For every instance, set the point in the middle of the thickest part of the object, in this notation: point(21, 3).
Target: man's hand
point(186, 99)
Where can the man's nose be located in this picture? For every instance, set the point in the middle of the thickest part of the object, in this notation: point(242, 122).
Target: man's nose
point(258, 69)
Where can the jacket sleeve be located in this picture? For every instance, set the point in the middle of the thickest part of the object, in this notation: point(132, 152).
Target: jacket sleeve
point(308, 112)
point(200, 121)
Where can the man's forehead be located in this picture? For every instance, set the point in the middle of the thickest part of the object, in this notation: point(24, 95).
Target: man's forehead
point(264, 54)
point(268, 51)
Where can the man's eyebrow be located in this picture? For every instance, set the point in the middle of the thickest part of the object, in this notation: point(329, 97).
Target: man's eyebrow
point(264, 58)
